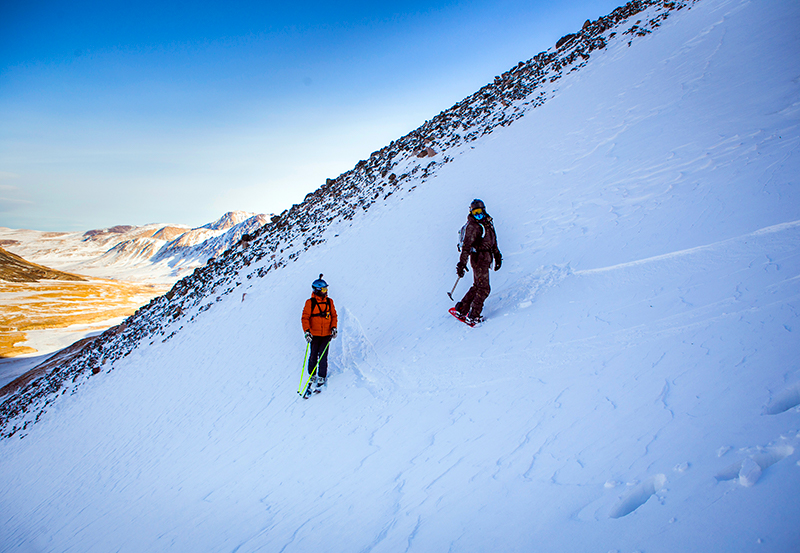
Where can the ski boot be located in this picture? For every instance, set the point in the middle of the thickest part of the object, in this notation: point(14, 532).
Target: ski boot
point(310, 387)
point(457, 314)
point(474, 321)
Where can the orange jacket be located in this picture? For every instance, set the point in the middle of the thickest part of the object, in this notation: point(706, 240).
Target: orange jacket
point(323, 318)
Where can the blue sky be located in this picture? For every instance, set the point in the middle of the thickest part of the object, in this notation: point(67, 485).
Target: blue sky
point(177, 112)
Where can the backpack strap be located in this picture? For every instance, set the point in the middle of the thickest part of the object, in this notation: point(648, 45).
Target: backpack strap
point(479, 241)
point(320, 312)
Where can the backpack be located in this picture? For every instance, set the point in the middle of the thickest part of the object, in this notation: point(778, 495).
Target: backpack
point(320, 313)
point(463, 231)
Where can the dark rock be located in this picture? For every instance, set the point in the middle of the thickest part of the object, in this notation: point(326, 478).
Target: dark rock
point(565, 39)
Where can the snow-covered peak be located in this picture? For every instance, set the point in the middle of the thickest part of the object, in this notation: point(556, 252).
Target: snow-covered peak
point(230, 219)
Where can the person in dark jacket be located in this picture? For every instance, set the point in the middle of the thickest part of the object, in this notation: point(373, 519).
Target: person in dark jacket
point(319, 321)
point(480, 246)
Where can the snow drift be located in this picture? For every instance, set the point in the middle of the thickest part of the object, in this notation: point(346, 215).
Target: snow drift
point(632, 389)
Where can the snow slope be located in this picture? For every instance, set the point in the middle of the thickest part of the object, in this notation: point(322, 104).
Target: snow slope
point(636, 386)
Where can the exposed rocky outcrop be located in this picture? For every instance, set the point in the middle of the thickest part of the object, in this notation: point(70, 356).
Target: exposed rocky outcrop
point(119, 229)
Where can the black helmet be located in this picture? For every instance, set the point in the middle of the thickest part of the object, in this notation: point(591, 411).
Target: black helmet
point(477, 209)
point(476, 204)
point(319, 285)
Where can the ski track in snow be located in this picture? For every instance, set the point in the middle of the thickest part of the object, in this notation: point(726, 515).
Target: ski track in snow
point(354, 352)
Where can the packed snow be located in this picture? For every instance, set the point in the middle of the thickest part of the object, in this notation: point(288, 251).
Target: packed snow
point(634, 388)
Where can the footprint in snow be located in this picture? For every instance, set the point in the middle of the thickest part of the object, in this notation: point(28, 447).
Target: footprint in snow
point(638, 496)
point(747, 471)
point(784, 400)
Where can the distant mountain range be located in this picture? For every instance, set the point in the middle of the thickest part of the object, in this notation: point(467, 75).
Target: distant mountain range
point(150, 253)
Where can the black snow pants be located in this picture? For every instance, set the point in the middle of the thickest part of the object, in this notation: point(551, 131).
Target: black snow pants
point(318, 345)
point(472, 302)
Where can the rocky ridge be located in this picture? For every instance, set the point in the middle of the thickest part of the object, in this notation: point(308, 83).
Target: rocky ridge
point(395, 169)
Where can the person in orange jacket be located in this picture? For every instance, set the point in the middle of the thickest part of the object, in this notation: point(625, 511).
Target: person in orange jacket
point(319, 324)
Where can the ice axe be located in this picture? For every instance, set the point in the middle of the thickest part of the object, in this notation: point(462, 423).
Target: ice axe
point(450, 293)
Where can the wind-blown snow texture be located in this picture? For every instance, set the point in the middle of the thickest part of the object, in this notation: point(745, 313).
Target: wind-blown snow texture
point(634, 388)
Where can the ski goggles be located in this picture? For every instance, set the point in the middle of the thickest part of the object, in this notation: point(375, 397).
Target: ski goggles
point(477, 211)
point(322, 290)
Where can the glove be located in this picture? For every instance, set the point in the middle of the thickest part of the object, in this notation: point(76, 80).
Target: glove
point(308, 337)
point(498, 260)
point(334, 332)
point(461, 269)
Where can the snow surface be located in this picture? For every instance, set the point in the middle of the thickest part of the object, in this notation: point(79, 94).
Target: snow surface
point(635, 387)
